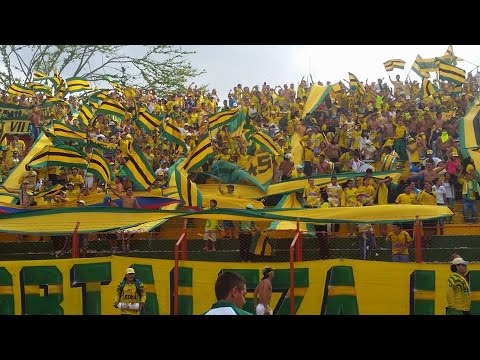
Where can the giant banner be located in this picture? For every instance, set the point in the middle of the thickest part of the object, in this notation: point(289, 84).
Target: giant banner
point(350, 287)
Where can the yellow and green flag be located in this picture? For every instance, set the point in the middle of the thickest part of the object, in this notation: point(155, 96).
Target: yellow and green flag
point(146, 120)
point(428, 88)
point(394, 64)
point(451, 73)
point(100, 167)
point(76, 84)
point(138, 168)
point(60, 155)
point(222, 118)
point(18, 90)
point(265, 142)
point(198, 156)
point(110, 106)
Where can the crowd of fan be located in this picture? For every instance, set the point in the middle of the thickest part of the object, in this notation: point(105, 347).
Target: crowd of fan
point(348, 132)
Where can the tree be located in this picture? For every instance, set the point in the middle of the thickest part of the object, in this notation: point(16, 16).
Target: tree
point(163, 68)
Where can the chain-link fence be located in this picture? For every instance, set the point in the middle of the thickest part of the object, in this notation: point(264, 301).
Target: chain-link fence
point(438, 242)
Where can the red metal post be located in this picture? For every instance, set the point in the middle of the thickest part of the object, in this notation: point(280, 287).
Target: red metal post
point(299, 248)
point(75, 241)
point(184, 242)
point(418, 240)
point(292, 273)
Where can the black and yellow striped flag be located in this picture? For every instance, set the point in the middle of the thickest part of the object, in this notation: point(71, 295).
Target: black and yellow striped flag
point(355, 84)
point(59, 156)
point(100, 167)
point(427, 88)
point(188, 191)
point(86, 114)
point(38, 75)
point(146, 120)
point(110, 106)
point(394, 64)
point(55, 189)
point(172, 133)
point(265, 142)
point(199, 156)
point(105, 146)
point(18, 90)
point(139, 169)
point(40, 87)
point(75, 84)
point(421, 67)
point(61, 90)
point(451, 73)
point(222, 118)
point(68, 133)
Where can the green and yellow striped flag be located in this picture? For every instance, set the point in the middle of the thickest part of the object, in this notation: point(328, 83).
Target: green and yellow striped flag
point(418, 68)
point(265, 142)
point(353, 81)
point(105, 146)
point(172, 133)
point(100, 167)
point(451, 73)
point(76, 84)
point(222, 118)
point(427, 88)
point(96, 96)
point(355, 84)
point(199, 156)
point(38, 75)
point(59, 156)
point(40, 87)
point(147, 121)
point(189, 193)
point(449, 57)
point(138, 168)
point(56, 79)
point(69, 133)
point(55, 189)
point(61, 90)
point(394, 64)
point(261, 244)
point(110, 106)
point(18, 90)
point(86, 114)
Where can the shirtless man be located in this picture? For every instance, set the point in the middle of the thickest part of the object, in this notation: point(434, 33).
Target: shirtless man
point(263, 292)
point(23, 195)
point(128, 200)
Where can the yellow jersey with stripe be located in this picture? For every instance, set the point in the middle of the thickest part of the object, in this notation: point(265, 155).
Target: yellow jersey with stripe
point(458, 293)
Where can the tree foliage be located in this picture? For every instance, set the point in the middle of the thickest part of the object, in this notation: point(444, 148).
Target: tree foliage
point(164, 68)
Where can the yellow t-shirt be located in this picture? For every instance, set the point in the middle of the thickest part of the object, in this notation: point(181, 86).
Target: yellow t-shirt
point(399, 242)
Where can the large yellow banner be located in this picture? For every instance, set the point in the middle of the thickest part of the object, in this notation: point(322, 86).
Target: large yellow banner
point(88, 286)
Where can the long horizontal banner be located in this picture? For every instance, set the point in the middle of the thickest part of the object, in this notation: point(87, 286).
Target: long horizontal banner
point(323, 287)
point(92, 219)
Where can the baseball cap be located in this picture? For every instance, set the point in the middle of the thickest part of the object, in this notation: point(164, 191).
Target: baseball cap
point(130, 271)
point(459, 261)
point(249, 206)
point(81, 202)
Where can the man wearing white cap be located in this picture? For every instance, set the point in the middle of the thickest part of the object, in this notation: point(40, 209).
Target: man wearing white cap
point(458, 290)
point(131, 296)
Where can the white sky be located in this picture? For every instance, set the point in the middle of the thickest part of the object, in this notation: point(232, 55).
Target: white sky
point(249, 65)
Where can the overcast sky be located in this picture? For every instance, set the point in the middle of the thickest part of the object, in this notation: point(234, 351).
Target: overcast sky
point(249, 65)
